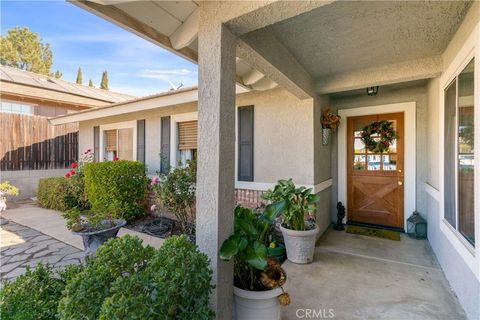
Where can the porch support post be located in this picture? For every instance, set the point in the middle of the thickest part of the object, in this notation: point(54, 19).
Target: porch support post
point(216, 153)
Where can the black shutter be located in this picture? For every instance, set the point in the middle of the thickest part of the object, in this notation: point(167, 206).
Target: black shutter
point(245, 143)
point(141, 140)
point(165, 145)
point(96, 143)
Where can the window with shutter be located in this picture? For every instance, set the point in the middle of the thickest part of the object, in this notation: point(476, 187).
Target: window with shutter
point(111, 140)
point(187, 135)
point(245, 143)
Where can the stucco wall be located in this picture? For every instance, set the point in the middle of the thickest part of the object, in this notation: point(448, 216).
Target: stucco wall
point(416, 93)
point(283, 145)
point(27, 180)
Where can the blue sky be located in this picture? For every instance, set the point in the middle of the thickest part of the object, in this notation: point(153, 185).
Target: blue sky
point(79, 38)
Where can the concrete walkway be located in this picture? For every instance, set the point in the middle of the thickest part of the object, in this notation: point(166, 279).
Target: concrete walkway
point(51, 223)
point(21, 246)
point(358, 277)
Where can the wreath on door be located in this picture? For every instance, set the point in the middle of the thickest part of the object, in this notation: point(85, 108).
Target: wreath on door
point(378, 136)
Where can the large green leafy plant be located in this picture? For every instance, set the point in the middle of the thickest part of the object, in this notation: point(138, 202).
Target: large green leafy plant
point(299, 202)
point(248, 247)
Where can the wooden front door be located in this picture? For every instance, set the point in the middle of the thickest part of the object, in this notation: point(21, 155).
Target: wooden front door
point(375, 180)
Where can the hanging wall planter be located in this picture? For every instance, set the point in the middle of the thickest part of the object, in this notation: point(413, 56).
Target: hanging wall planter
point(326, 134)
point(330, 122)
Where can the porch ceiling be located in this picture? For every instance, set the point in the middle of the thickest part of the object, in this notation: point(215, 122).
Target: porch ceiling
point(345, 36)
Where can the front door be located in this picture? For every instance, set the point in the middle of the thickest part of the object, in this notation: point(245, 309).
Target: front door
point(375, 180)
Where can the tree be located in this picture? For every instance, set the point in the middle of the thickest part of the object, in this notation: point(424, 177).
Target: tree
point(90, 83)
point(23, 49)
point(104, 83)
point(79, 76)
point(58, 74)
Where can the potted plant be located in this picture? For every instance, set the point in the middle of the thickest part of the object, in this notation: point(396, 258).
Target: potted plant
point(95, 227)
point(258, 277)
point(330, 122)
point(6, 189)
point(299, 234)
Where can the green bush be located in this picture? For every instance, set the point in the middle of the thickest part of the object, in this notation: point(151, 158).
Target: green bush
point(35, 294)
point(122, 183)
point(175, 285)
point(85, 292)
point(60, 193)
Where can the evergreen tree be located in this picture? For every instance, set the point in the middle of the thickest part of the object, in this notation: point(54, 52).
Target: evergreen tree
point(104, 83)
point(23, 49)
point(90, 83)
point(79, 76)
point(58, 74)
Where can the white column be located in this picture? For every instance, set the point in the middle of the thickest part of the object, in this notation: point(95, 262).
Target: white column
point(216, 153)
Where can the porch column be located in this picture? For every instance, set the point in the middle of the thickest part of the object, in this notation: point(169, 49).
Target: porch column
point(216, 153)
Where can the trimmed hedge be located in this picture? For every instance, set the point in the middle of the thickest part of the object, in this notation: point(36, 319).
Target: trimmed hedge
point(62, 194)
point(120, 184)
point(35, 294)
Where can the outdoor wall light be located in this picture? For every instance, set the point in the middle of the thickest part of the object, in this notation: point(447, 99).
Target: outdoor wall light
point(372, 91)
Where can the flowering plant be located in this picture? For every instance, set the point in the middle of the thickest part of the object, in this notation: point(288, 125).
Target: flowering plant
point(330, 120)
point(77, 167)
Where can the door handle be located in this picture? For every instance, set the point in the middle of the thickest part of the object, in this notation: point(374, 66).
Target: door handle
point(400, 183)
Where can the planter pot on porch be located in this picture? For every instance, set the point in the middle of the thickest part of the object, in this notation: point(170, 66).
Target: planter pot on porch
point(300, 244)
point(93, 239)
point(257, 304)
point(326, 134)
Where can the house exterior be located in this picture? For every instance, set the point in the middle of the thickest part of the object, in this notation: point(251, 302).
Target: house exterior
point(30, 148)
point(266, 71)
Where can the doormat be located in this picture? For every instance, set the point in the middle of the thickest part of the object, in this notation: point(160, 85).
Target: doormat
point(373, 232)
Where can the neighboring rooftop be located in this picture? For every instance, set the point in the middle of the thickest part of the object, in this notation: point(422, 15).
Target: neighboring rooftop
point(14, 81)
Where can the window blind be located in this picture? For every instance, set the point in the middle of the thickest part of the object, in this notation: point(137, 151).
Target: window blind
point(111, 140)
point(187, 135)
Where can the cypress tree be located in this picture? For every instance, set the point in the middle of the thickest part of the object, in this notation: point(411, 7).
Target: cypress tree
point(104, 83)
point(90, 83)
point(79, 76)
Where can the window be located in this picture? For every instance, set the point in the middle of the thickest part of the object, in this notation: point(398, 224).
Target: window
point(118, 143)
point(459, 154)
point(12, 107)
point(245, 143)
point(187, 141)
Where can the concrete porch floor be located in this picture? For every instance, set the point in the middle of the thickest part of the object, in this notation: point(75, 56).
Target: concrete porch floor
point(359, 277)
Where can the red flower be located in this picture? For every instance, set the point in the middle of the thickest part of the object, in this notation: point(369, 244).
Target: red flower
point(67, 175)
point(116, 158)
point(74, 165)
point(72, 172)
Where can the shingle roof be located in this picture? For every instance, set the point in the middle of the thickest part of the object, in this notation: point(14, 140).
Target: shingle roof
point(23, 77)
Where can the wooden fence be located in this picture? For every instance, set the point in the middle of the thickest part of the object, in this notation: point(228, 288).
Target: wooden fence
point(29, 142)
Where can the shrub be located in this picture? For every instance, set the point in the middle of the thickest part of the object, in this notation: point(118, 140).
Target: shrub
point(59, 193)
point(35, 294)
point(86, 291)
point(122, 183)
point(175, 285)
point(177, 193)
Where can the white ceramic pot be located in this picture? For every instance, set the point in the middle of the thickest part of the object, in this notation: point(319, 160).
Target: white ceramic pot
point(300, 245)
point(251, 305)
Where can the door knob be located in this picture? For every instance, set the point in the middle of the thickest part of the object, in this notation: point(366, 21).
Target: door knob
point(400, 183)
point(399, 170)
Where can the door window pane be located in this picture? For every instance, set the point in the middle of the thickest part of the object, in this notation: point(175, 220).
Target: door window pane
point(359, 146)
point(465, 161)
point(358, 162)
point(389, 162)
point(374, 162)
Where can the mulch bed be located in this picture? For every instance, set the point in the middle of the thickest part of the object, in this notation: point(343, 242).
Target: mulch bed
point(158, 226)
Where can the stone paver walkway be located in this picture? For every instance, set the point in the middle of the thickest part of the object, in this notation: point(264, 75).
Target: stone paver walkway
point(21, 246)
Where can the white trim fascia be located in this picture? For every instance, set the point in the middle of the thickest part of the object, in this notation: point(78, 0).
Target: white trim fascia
point(469, 50)
point(134, 106)
point(118, 125)
point(264, 186)
point(409, 109)
point(174, 119)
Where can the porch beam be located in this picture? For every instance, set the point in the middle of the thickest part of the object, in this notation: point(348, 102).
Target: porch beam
point(262, 51)
point(216, 153)
point(268, 13)
point(382, 75)
point(186, 33)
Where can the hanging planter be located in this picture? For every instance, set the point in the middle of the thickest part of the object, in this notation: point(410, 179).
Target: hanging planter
point(330, 122)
